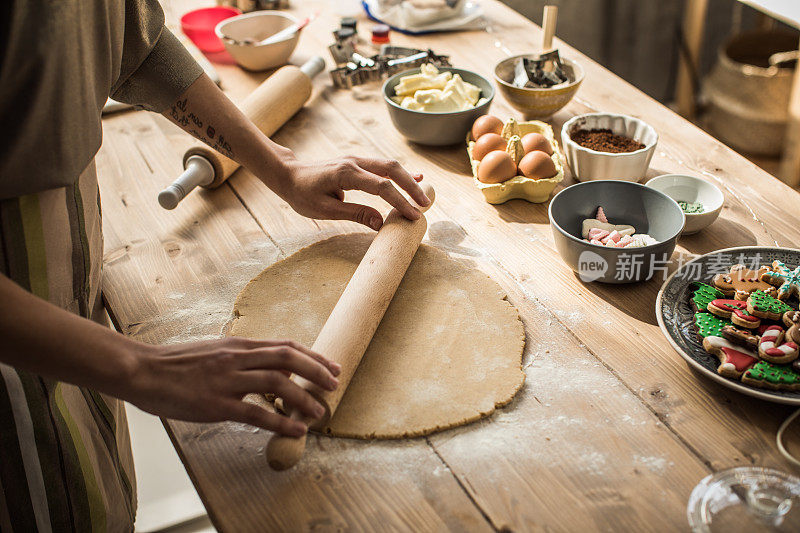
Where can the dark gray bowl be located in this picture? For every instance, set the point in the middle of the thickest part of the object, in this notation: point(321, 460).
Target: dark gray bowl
point(647, 210)
point(437, 129)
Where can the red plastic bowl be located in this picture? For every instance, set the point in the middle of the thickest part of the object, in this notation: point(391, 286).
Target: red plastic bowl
point(198, 25)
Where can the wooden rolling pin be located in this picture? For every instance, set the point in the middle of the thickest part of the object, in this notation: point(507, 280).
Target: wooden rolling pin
point(269, 107)
point(352, 323)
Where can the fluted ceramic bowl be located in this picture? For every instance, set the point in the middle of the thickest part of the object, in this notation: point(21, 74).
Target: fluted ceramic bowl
point(587, 164)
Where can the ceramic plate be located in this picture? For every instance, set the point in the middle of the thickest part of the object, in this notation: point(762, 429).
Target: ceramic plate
point(676, 316)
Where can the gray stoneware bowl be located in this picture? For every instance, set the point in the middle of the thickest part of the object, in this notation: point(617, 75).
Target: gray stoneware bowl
point(437, 129)
point(648, 210)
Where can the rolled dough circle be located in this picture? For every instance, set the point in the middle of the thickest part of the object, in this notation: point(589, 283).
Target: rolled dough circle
point(447, 352)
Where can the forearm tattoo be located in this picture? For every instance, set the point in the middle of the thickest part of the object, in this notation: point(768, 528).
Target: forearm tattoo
point(205, 131)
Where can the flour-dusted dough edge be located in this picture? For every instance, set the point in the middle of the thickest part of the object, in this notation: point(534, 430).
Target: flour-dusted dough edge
point(511, 319)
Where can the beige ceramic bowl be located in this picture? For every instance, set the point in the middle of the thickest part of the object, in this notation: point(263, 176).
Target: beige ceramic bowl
point(537, 103)
point(257, 26)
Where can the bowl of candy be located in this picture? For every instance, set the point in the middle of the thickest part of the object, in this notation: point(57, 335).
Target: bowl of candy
point(700, 199)
point(538, 85)
point(615, 231)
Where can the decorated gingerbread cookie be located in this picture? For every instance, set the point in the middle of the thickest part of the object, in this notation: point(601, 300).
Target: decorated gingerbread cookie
point(792, 321)
point(704, 294)
point(742, 337)
point(786, 279)
point(774, 348)
point(740, 282)
point(709, 325)
point(734, 360)
point(769, 376)
point(763, 305)
point(735, 311)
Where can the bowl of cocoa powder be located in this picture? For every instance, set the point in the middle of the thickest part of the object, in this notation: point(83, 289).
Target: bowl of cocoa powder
point(607, 146)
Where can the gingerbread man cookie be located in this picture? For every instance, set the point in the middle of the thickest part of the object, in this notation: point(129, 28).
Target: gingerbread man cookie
point(792, 321)
point(764, 305)
point(774, 348)
point(734, 360)
point(768, 376)
point(740, 282)
point(735, 311)
point(786, 279)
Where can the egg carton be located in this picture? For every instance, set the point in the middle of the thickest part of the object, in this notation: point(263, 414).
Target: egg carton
point(535, 191)
point(355, 69)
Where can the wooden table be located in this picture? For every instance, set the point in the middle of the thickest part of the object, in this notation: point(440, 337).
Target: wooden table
point(612, 430)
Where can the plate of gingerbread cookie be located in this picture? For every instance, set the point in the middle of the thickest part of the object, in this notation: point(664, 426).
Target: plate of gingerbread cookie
point(733, 315)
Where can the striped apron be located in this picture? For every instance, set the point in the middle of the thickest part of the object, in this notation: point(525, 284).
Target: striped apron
point(65, 456)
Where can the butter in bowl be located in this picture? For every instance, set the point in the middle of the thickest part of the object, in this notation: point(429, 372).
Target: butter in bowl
point(514, 159)
point(436, 106)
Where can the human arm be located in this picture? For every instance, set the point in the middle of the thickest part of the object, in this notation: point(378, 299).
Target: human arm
point(314, 189)
point(201, 382)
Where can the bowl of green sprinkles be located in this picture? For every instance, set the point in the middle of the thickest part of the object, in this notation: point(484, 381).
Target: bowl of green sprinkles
point(700, 200)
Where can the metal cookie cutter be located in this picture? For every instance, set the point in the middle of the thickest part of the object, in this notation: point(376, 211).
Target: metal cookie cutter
point(356, 69)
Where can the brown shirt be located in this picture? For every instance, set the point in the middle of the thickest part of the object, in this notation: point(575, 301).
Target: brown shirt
point(65, 456)
point(59, 62)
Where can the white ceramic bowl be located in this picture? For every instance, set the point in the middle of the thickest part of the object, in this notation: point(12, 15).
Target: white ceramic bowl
point(257, 26)
point(682, 188)
point(590, 165)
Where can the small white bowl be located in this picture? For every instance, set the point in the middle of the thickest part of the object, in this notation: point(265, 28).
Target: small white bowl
point(257, 26)
point(590, 165)
point(682, 188)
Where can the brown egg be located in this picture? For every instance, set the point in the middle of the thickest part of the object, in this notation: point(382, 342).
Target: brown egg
point(496, 167)
point(487, 143)
point(536, 141)
point(537, 165)
point(486, 124)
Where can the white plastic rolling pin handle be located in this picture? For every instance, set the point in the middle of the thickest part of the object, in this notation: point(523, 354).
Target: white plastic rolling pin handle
point(313, 66)
point(198, 172)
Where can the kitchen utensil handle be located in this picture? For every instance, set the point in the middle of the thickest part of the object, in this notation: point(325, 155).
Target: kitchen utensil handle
point(269, 107)
point(549, 19)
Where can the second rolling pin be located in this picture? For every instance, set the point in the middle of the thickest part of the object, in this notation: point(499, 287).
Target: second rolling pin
point(269, 107)
point(352, 323)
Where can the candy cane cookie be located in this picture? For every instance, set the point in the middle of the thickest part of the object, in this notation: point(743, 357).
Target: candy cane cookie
point(772, 347)
point(736, 311)
point(734, 360)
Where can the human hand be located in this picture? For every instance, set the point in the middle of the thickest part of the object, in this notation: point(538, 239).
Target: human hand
point(207, 381)
point(316, 190)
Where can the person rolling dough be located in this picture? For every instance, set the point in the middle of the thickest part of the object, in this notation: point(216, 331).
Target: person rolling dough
point(66, 459)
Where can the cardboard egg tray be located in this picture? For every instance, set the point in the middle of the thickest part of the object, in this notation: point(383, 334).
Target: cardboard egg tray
point(536, 191)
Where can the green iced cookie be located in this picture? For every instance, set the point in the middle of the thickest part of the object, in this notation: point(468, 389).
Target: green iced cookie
point(709, 325)
point(705, 294)
point(762, 304)
point(772, 374)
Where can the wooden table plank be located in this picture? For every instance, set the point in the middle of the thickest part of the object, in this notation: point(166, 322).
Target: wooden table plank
point(611, 424)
